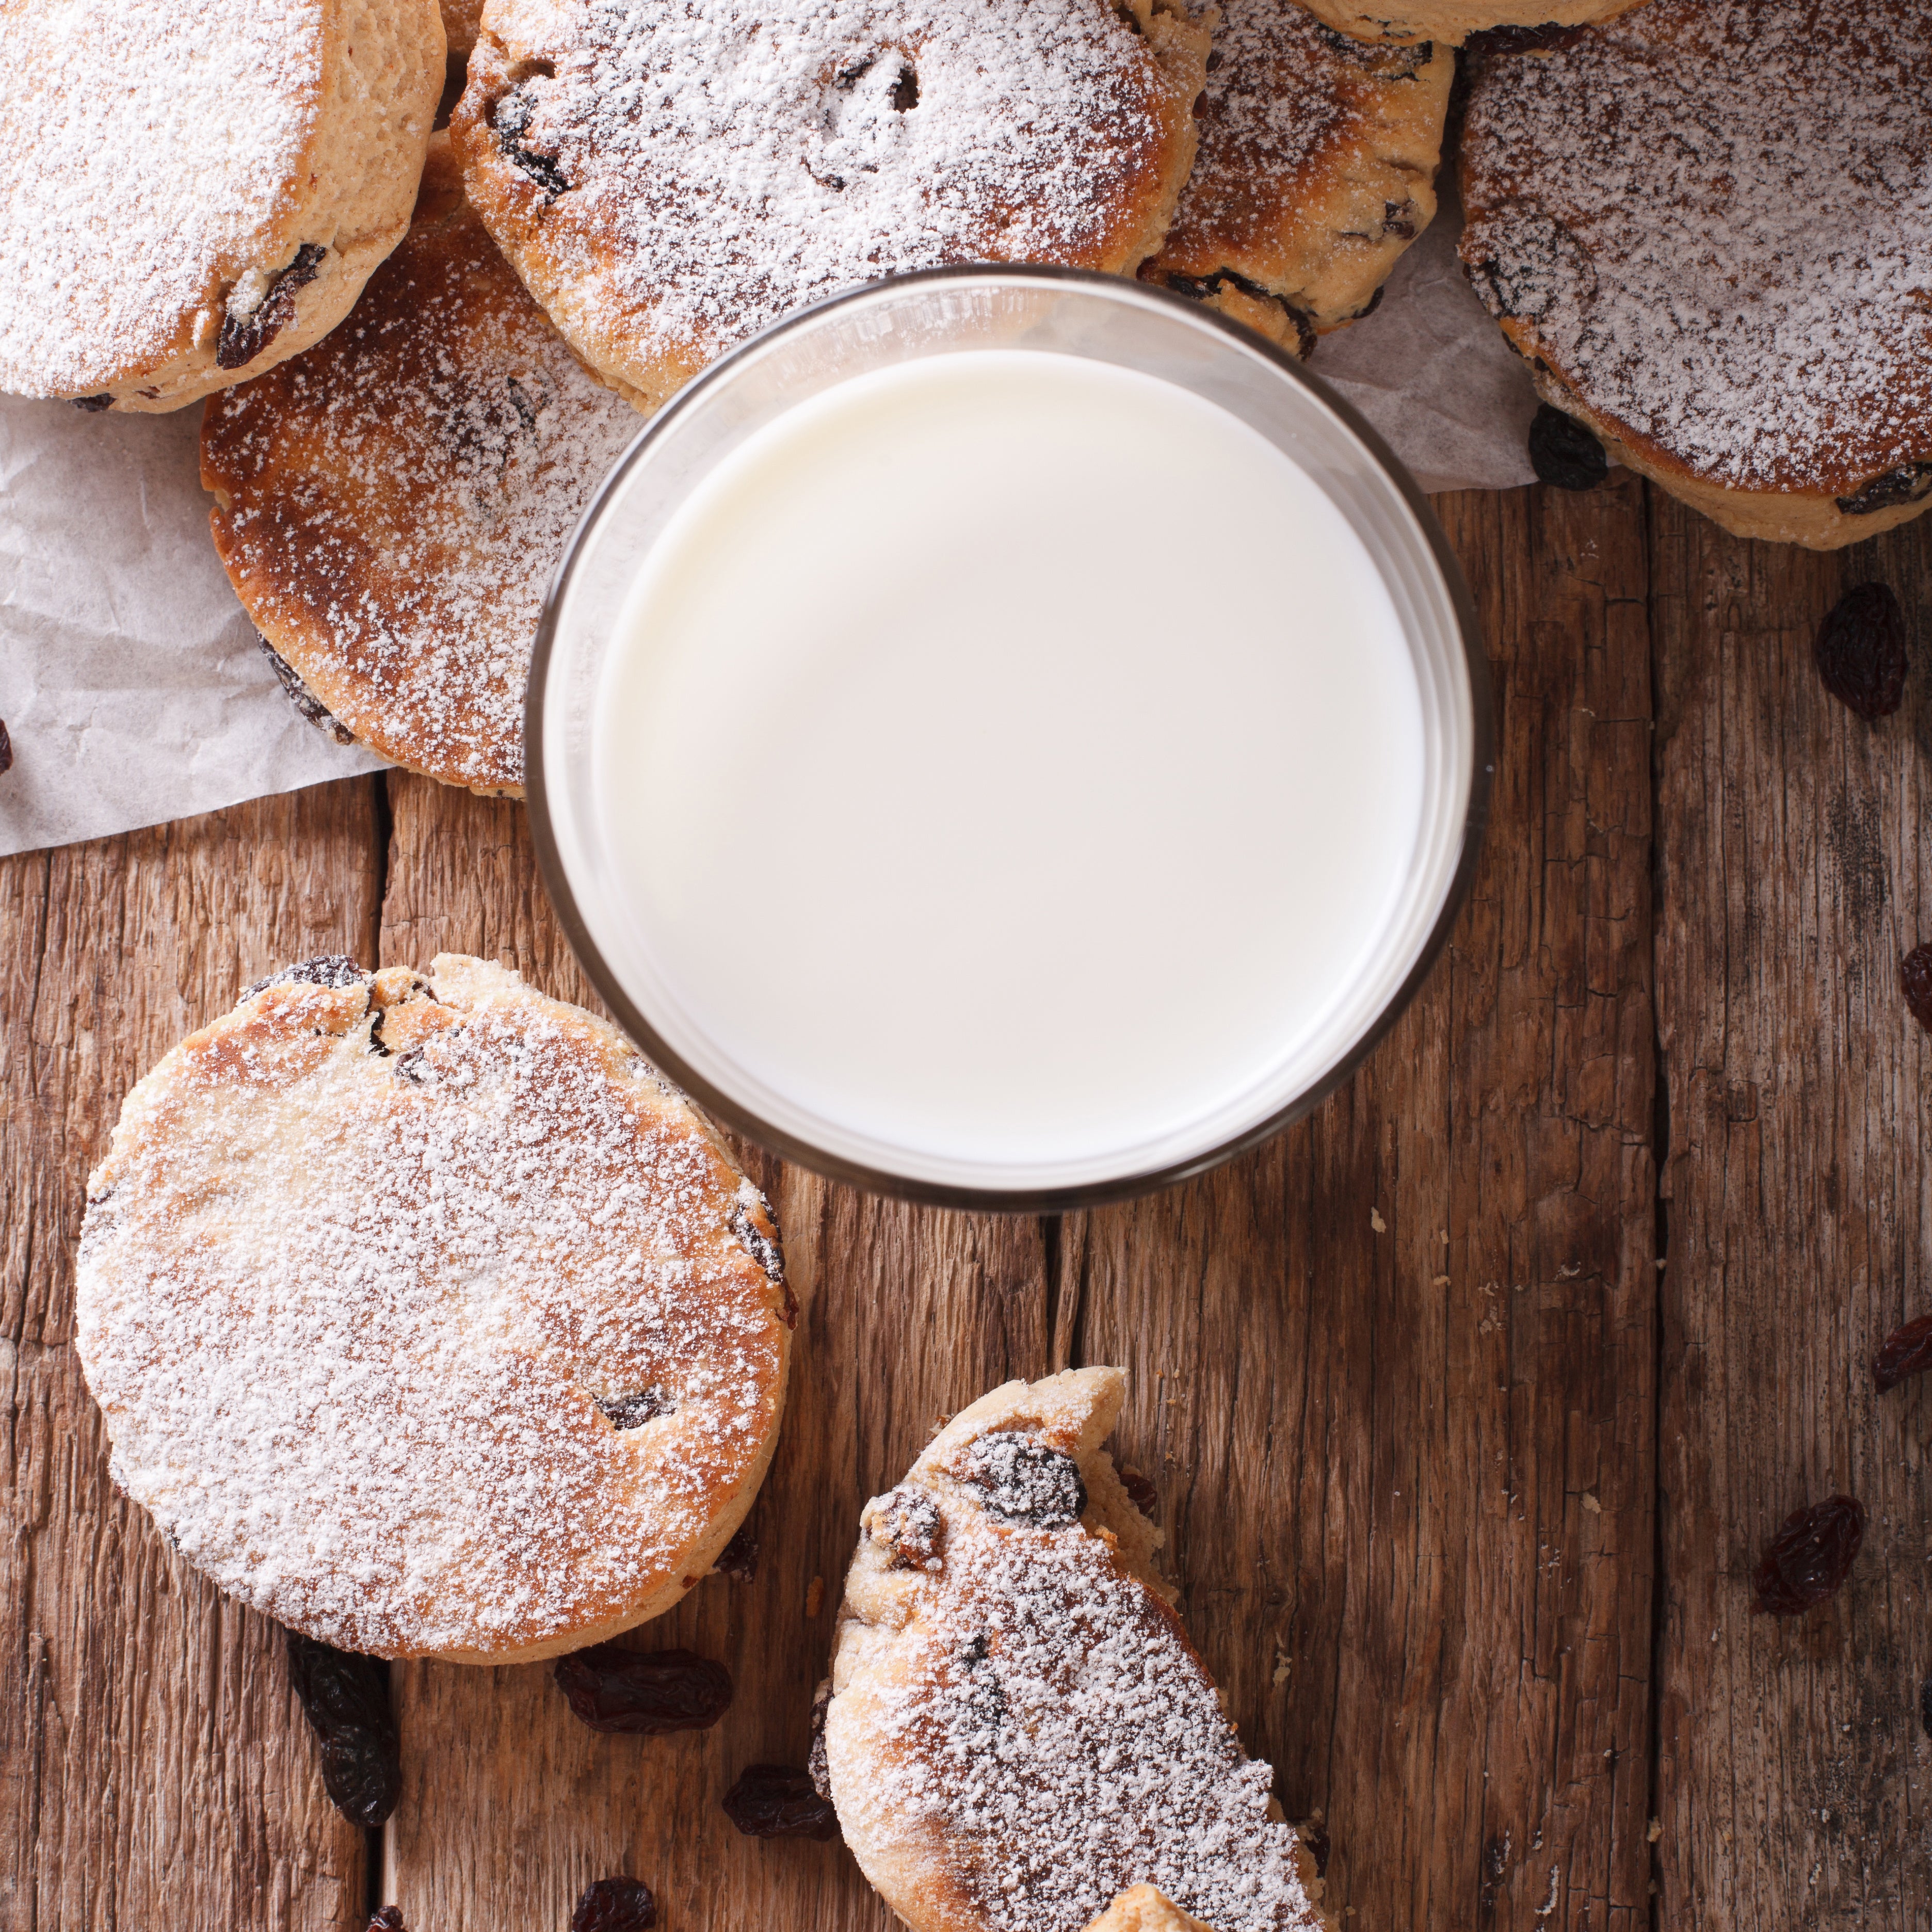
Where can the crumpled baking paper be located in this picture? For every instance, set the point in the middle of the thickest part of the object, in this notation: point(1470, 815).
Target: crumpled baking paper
point(132, 685)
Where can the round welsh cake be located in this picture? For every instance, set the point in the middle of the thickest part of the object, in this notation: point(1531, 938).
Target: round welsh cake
point(670, 175)
point(1707, 227)
point(198, 188)
point(1316, 169)
point(426, 1319)
point(1019, 1730)
point(390, 506)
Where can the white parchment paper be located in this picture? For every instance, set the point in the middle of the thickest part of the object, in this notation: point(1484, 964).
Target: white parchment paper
point(134, 691)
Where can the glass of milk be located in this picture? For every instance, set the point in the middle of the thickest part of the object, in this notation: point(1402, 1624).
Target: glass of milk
point(1007, 737)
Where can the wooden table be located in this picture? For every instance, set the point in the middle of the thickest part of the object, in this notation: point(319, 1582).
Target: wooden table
point(1472, 1399)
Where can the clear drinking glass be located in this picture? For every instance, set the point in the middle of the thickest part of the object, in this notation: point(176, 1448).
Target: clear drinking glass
point(1064, 312)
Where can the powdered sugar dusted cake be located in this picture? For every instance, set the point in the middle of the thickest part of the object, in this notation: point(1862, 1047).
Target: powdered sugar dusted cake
point(426, 1319)
point(1316, 169)
point(1019, 1729)
point(198, 188)
point(391, 505)
point(1709, 227)
point(669, 175)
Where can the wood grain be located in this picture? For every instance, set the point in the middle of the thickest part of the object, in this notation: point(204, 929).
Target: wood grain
point(510, 1806)
point(155, 1770)
point(1792, 1761)
point(1395, 1366)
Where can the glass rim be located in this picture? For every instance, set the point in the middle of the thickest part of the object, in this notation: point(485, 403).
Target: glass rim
point(790, 1146)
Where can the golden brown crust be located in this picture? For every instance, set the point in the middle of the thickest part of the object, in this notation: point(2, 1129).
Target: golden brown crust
point(230, 219)
point(1452, 22)
point(894, 135)
point(391, 505)
point(1316, 169)
point(1019, 1728)
point(1735, 305)
point(423, 1318)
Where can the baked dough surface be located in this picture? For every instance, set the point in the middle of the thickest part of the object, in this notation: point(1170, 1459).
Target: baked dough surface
point(425, 1319)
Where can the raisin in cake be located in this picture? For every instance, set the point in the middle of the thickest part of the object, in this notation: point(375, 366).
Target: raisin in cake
point(1019, 1729)
point(391, 505)
point(670, 175)
point(426, 1319)
point(1709, 227)
point(196, 189)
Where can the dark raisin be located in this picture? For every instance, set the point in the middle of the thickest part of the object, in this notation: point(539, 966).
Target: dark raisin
point(1204, 288)
point(643, 1693)
point(1141, 1492)
point(6, 749)
point(93, 404)
point(1810, 1555)
point(773, 1800)
point(1314, 1836)
point(1399, 220)
point(633, 1411)
point(739, 1558)
point(346, 1699)
point(376, 1045)
point(984, 1703)
point(1540, 40)
point(1022, 1481)
point(511, 122)
point(1563, 453)
point(909, 1524)
point(905, 90)
point(1915, 980)
point(763, 1248)
point(615, 1905)
point(331, 970)
point(308, 706)
point(1860, 650)
point(244, 337)
point(389, 1919)
point(1906, 484)
point(817, 1765)
point(1906, 1351)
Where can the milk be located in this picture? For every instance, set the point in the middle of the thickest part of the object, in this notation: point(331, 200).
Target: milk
point(1010, 766)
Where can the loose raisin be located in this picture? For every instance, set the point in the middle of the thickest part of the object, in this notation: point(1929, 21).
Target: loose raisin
point(346, 1699)
point(773, 1800)
point(389, 1919)
point(1906, 1351)
point(643, 1693)
point(1020, 1481)
point(739, 1558)
point(1141, 1491)
point(1860, 650)
point(1810, 1555)
point(1915, 980)
point(1563, 452)
point(615, 1905)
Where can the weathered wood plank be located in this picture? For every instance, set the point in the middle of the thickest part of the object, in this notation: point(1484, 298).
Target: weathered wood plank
point(1395, 1368)
point(1792, 1765)
point(510, 1806)
point(155, 1770)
